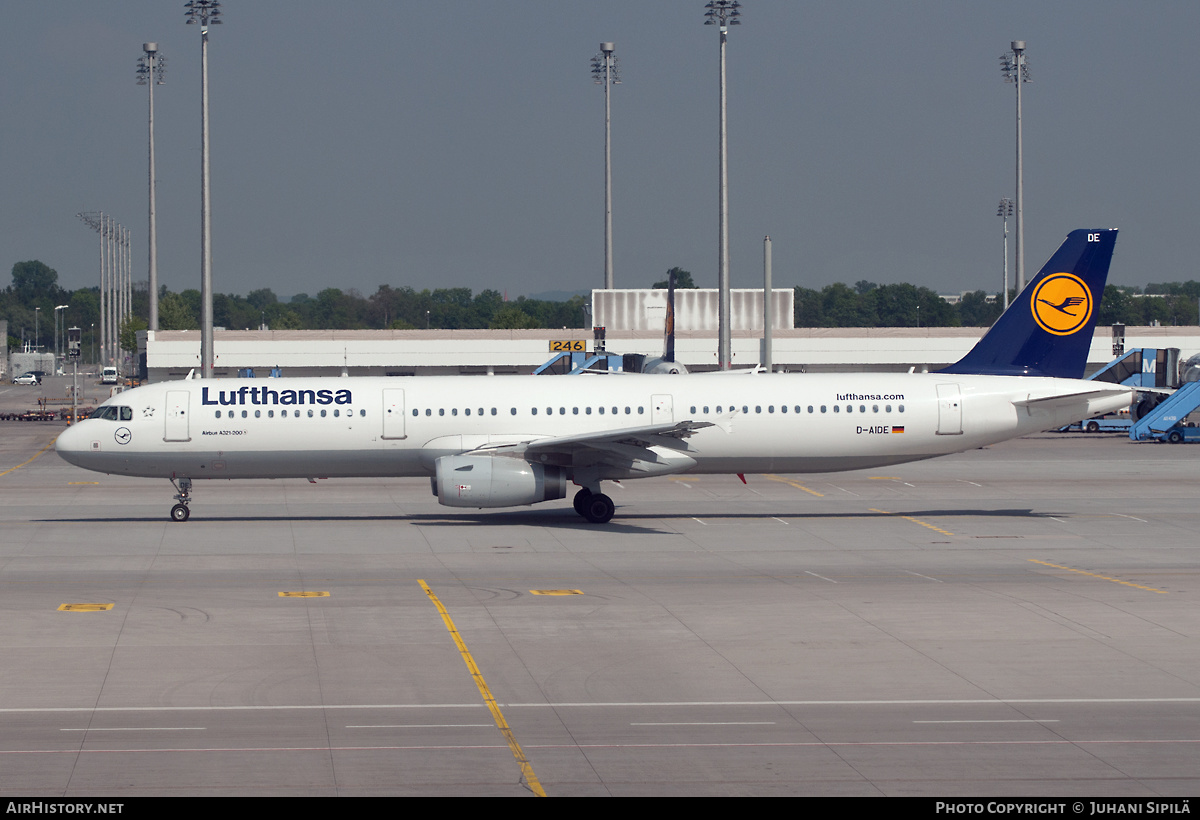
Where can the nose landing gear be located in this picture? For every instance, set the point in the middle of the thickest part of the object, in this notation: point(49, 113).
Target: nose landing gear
point(183, 495)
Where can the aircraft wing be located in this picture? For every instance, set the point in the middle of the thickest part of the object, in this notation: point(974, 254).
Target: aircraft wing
point(650, 449)
point(629, 436)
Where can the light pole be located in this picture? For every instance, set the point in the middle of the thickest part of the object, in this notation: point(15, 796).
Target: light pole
point(723, 13)
point(57, 318)
point(95, 221)
point(767, 315)
point(604, 71)
point(150, 69)
point(204, 12)
point(1005, 210)
point(37, 312)
point(1014, 65)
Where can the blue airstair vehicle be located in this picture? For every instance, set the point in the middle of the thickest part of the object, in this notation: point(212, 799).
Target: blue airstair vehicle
point(1159, 415)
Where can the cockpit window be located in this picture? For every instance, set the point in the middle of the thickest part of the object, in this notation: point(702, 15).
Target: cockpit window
point(126, 413)
point(109, 411)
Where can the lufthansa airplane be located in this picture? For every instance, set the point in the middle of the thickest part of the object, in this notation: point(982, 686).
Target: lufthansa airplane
point(517, 440)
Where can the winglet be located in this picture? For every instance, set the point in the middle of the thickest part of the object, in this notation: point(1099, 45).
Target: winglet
point(1048, 330)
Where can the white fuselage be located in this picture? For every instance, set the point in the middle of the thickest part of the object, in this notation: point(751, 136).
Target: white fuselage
point(342, 427)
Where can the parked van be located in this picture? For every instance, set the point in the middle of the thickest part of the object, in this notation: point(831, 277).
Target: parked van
point(108, 375)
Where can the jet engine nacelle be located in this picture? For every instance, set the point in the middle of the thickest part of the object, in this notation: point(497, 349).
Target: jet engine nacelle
point(487, 481)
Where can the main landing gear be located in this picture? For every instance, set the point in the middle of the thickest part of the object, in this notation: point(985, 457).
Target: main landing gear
point(183, 495)
point(595, 507)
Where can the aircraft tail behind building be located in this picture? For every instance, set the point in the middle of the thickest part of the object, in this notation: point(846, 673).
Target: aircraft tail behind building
point(1047, 331)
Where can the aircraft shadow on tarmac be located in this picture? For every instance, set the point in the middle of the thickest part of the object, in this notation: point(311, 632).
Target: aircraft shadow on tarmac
point(568, 519)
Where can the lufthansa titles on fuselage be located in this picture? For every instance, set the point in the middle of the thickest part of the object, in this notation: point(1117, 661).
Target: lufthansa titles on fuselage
point(265, 395)
point(870, 397)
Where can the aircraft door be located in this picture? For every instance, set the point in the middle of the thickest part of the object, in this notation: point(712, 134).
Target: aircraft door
point(176, 419)
point(662, 409)
point(949, 410)
point(393, 413)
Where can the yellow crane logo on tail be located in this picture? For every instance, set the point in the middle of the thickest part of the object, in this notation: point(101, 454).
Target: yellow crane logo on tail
point(1061, 304)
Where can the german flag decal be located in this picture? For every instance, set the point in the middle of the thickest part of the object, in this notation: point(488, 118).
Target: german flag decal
point(897, 429)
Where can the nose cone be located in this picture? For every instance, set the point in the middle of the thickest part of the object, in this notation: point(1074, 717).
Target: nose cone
point(74, 444)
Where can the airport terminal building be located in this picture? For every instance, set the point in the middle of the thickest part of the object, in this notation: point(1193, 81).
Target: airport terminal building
point(171, 354)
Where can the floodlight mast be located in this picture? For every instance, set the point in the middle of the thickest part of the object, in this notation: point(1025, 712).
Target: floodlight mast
point(1005, 210)
point(114, 263)
point(95, 221)
point(150, 70)
point(204, 12)
point(723, 13)
point(604, 71)
point(57, 319)
point(1014, 65)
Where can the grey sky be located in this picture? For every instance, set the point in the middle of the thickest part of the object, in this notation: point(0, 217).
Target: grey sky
point(461, 143)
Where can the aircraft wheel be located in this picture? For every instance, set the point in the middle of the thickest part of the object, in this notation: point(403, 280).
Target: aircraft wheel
point(599, 508)
point(1175, 437)
point(180, 513)
point(1093, 427)
point(580, 500)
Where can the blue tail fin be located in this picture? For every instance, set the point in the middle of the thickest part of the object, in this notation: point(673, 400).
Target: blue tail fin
point(1047, 331)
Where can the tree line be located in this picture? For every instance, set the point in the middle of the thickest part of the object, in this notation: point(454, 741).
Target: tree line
point(864, 304)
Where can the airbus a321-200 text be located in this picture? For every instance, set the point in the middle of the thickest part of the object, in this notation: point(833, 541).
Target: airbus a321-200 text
point(516, 440)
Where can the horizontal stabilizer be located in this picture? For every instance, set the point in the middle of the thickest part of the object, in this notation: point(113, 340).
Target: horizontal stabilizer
point(1063, 398)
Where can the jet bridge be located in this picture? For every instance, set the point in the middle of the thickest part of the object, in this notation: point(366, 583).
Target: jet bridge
point(571, 362)
point(1142, 367)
